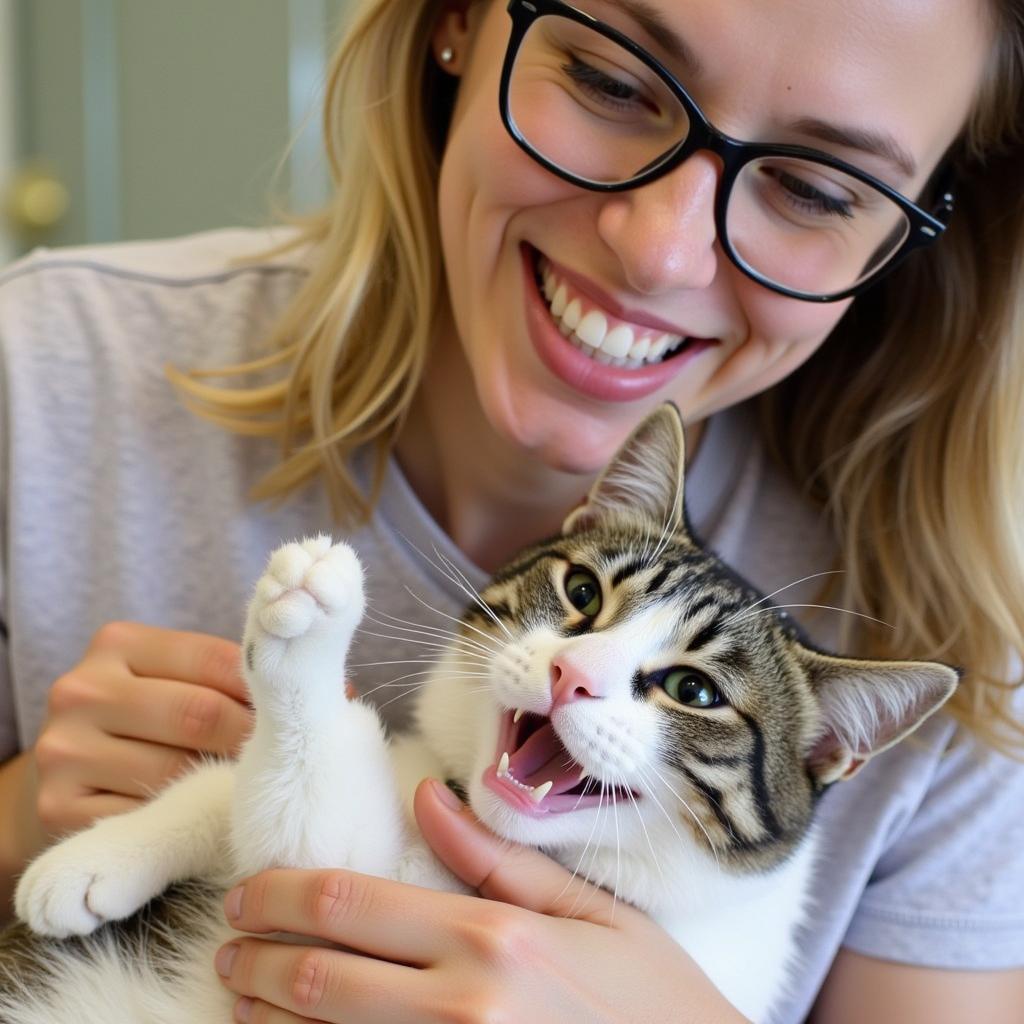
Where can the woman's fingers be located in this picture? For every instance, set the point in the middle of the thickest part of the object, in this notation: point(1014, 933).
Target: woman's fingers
point(175, 714)
point(371, 915)
point(500, 871)
point(197, 658)
point(96, 762)
point(322, 984)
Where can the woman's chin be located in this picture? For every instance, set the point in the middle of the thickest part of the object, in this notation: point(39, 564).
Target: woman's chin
point(554, 432)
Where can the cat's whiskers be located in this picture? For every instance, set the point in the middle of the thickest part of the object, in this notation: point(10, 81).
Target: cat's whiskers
point(468, 589)
point(426, 672)
point(491, 644)
point(647, 836)
point(398, 681)
point(454, 574)
point(645, 552)
point(423, 659)
point(466, 643)
point(737, 615)
point(408, 693)
point(487, 642)
point(645, 782)
point(579, 863)
point(825, 607)
point(425, 643)
point(672, 521)
point(588, 873)
point(414, 687)
point(433, 641)
point(618, 852)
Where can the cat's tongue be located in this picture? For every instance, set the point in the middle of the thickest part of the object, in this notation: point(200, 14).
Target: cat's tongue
point(542, 758)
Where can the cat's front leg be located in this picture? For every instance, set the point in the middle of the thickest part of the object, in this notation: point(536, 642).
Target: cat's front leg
point(118, 864)
point(315, 786)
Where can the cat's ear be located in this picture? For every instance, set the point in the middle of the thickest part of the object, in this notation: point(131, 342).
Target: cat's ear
point(644, 478)
point(867, 706)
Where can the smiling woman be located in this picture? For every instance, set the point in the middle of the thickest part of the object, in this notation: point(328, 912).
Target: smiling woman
point(803, 225)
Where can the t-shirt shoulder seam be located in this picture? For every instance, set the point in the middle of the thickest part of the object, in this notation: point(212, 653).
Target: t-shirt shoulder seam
point(145, 277)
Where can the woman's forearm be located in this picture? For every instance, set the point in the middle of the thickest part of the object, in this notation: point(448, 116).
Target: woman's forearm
point(20, 834)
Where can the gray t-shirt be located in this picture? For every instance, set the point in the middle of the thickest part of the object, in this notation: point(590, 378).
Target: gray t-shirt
point(116, 503)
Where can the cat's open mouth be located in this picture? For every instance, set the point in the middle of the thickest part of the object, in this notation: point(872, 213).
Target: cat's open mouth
point(535, 774)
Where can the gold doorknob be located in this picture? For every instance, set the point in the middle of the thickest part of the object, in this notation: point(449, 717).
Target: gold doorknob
point(36, 200)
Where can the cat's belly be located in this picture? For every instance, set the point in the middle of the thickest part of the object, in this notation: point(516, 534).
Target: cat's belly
point(154, 968)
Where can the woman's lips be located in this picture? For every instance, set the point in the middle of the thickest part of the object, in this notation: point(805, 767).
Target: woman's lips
point(583, 373)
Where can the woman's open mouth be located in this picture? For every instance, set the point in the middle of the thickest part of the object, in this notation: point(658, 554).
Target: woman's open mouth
point(592, 350)
point(536, 775)
point(590, 329)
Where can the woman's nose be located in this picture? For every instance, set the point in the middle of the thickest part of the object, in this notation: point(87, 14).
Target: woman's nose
point(664, 233)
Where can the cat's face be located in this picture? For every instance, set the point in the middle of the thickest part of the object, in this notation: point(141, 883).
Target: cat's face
point(664, 704)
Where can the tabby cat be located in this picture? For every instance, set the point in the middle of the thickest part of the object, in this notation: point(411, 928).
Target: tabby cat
point(625, 668)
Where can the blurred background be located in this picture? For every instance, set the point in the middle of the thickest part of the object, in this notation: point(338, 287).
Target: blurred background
point(128, 119)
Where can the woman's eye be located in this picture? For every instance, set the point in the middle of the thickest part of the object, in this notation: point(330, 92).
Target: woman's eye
point(583, 591)
point(691, 688)
point(598, 82)
point(816, 200)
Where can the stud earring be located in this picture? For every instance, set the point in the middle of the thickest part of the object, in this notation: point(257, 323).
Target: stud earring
point(447, 55)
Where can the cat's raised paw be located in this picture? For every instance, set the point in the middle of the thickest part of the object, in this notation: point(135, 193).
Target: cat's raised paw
point(306, 605)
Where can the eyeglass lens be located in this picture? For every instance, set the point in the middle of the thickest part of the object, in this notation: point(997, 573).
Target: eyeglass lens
point(590, 107)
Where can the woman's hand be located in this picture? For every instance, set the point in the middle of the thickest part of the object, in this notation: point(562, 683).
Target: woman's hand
point(542, 948)
point(136, 711)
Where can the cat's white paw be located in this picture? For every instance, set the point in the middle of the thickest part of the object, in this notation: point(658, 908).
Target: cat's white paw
point(305, 607)
point(80, 884)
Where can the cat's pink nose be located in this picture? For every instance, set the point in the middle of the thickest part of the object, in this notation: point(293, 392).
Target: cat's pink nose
point(571, 682)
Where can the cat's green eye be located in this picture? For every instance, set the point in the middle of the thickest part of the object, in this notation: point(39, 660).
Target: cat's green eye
point(691, 688)
point(583, 591)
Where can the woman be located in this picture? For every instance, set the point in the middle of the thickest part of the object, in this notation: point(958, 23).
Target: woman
point(410, 322)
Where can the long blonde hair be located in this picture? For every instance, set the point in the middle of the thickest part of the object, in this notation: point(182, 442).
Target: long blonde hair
point(908, 424)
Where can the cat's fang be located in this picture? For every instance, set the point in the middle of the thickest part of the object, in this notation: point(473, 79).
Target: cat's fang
point(503, 764)
point(517, 715)
point(541, 791)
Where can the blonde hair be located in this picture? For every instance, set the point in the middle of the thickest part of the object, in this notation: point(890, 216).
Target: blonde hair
point(908, 424)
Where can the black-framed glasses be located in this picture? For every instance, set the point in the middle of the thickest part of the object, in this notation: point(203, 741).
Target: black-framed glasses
point(593, 107)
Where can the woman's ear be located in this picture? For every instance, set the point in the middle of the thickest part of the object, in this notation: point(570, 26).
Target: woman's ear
point(453, 33)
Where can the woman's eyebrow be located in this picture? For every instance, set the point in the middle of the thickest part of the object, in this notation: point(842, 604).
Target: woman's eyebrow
point(651, 21)
point(863, 139)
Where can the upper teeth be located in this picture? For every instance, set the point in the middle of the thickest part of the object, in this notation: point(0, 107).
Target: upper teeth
point(589, 330)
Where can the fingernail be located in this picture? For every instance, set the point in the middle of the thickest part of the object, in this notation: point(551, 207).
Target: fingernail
point(233, 903)
point(225, 958)
point(446, 796)
point(243, 1009)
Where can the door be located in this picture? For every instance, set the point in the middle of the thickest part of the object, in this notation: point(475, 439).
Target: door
point(155, 118)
